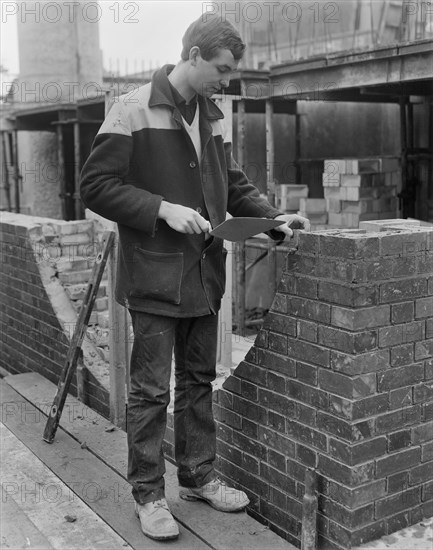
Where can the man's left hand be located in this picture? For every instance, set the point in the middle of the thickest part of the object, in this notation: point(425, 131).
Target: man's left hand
point(293, 221)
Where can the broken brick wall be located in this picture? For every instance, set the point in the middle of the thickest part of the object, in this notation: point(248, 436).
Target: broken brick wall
point(37, 319)
point(340, 378)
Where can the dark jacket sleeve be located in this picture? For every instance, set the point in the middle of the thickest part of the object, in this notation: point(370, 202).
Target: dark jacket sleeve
point(103, 183)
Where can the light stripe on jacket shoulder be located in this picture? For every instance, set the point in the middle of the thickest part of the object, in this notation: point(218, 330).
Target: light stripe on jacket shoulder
point(131, 113)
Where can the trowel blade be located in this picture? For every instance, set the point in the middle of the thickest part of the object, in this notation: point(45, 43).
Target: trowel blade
point(239, 229)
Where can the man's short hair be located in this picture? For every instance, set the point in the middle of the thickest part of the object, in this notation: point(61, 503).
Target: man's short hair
point(210, 34)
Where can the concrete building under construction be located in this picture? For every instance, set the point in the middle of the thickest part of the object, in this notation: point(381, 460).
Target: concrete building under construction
point(343, 79)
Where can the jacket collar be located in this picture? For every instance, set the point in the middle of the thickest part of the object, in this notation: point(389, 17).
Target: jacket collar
point(160, 94)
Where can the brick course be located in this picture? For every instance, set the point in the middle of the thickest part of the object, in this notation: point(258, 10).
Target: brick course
point(345, 376)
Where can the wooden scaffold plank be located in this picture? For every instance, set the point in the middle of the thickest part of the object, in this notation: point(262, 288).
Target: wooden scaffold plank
point(96, 438)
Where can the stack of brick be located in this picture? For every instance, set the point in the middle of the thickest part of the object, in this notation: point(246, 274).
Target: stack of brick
point(72, 249)
point(315, 211)
point(339, 379)
point(288, 197)
point(361, 189)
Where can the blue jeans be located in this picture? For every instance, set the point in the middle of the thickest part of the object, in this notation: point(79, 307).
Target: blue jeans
point(194, 341)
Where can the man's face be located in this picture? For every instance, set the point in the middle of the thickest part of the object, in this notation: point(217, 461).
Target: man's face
point(209, 77)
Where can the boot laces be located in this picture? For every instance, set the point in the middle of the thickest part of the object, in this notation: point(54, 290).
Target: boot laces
point(160, 504)
point(219, 481)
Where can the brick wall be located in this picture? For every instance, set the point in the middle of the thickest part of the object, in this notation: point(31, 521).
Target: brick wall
point(37, 318)
point(340, 378)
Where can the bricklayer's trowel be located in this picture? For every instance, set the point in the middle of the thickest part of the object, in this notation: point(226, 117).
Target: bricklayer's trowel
point(239, 229)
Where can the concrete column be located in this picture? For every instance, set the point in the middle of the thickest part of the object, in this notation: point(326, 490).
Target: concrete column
point(59, 51)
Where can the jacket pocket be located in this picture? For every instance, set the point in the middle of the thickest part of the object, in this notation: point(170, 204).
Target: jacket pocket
point(157, 275)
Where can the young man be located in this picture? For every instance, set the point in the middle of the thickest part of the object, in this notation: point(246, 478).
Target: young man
point(161, 168)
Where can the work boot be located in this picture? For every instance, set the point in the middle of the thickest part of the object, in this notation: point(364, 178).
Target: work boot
point(218, 495)
point(156, 520)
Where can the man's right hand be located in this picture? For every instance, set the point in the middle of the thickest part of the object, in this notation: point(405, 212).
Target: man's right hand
point(183, 219)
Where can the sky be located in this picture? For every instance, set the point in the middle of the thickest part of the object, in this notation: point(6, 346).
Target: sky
point(132, 33)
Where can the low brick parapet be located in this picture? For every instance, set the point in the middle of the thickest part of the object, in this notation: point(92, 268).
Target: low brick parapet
point(340, 378)
point(37, 316)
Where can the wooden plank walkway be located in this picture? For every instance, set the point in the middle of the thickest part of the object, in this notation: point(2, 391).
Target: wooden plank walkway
point(35, 503)
point(89, 457)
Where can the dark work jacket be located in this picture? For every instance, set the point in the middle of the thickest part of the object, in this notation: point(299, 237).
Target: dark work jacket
point(143, 155)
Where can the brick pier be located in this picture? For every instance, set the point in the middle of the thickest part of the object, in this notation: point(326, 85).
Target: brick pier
point(340, 378)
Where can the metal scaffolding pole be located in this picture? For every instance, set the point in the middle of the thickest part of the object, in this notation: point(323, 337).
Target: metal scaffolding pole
point(118, 336)
point(14, 138)
point(240, 246)
point(6, 185)
point(270, 156)
point(77, 198)
point(61, 162)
